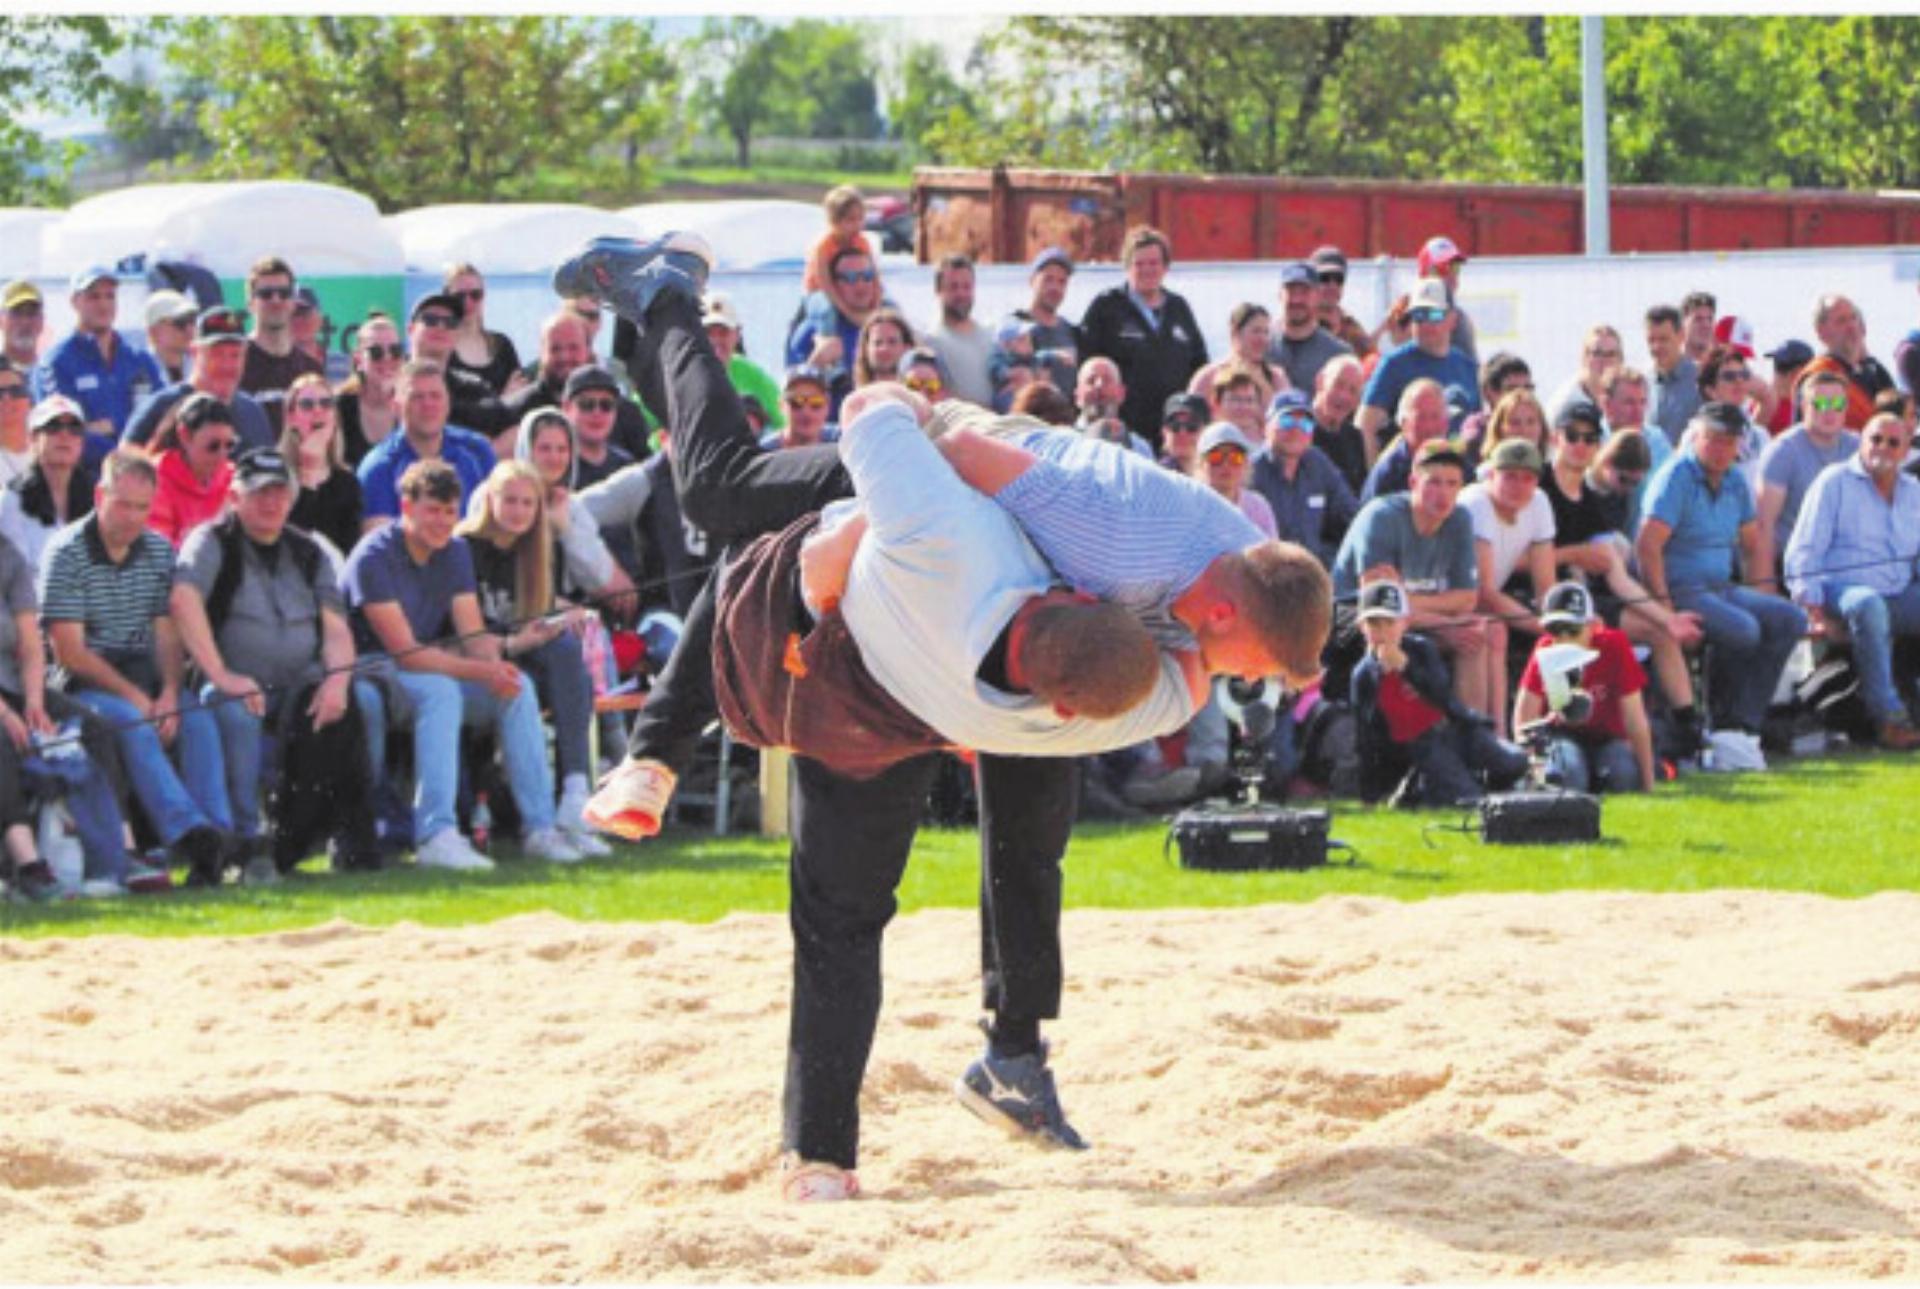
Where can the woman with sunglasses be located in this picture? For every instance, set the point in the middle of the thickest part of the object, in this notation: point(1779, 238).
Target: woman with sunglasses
point(487, 354)
point(1221, 464)
point(329, 503)
point(367, 407)
point(193, 453)
point(16, 448)
point(1252, 333)
point(57, 488)
point(514, 569)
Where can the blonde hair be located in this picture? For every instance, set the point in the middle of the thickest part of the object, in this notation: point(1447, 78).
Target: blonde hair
point(532, 550)
point(290, 437)
point(842, 199)
point(1503, 413)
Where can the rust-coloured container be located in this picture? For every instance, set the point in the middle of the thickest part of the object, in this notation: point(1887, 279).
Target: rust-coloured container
point(1007, 216)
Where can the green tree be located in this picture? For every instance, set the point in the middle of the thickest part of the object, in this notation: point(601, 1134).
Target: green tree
point(414, 110)
point(48, 64)
point(1849, 105)
point(926, 92)
point(745, 87)
point(830, 68)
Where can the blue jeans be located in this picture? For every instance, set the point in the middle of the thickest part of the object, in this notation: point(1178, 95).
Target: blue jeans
point(1873, 620)
point(441, 706)
point(559, 672)
point(196, 796)
point(1749, 637)
point(243, 749)
point(1594, 767)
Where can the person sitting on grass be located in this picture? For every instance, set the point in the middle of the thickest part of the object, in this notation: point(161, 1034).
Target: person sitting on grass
point(1610, 749)
point(1413, 731)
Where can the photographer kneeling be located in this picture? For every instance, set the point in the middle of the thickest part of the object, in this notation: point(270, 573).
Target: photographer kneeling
point(1580, 694)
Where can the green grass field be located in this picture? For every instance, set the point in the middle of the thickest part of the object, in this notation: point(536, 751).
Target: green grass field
point(1835, 826)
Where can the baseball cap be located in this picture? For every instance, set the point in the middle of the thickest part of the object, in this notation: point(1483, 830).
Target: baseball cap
point(1439, 452)
point(1515, 454)
point(1428, 297)
point(1189, 410)
point(1328, 259)
point(590, 376)
point(219, 325)
point(304, 297)
point(716, 310)
point(1052, 255)
point(1289, 400)
point(1438, 253)
point(1384, 599)
point(258, 468)
point(1298, 273)
point(51, 409)
point(438, 300)
point(86, 277)
point(168, 306)
point(1734, 331)
point(805, 373)
point(1790, 354)
point(1578, 410)
point(1224, 434)
point(1568, 602)
point(1724, 417)
point(20, 292)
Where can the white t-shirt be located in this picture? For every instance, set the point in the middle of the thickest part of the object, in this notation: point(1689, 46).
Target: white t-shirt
point(1510, 541)
point(968, 356)
point(940, 573)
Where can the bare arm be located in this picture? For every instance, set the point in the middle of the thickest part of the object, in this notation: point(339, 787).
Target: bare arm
point(69, 639)
point(1371, 421)
point(390, 626)
point(1633, 710)
point(1430, 607)
point(987, 464)
point(1652, 549)
point(336, 655)
point(196, 636)
point(1773, 500)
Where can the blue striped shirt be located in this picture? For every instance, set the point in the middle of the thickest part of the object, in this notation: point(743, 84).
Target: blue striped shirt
point(1118, 526)
point(1849, 535)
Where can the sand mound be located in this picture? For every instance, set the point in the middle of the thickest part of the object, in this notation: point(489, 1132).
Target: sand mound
point(1722, 1086)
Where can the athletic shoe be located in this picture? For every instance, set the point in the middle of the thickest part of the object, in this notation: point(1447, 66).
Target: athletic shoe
point(145, 879)
point(551, 845)
point(804, 1182)
point(587, 842)
point(1016, 1095)
point(34, 883)
point(626, 274)
point(204, 852)
point(632, 801)
point(573, 804)
point(448, 849)
point(1734, 750)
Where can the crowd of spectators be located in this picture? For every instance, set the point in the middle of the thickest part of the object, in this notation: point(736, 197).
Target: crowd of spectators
point(230, 580)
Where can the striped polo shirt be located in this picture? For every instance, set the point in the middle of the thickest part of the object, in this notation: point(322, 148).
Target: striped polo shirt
point(79, 582)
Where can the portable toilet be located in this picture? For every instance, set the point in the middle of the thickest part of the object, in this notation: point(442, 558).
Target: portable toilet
point(334, 239)
point(744, 234)
point(21, 231)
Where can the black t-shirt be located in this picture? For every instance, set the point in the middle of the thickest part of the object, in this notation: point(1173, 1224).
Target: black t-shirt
point(1347, 449)
point(1576, 520)
point(629, 425)
point(498, 369)
point(267, 377)
point(333, 510)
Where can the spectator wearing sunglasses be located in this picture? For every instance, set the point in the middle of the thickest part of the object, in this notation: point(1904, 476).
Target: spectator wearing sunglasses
point(170, 317)
point(592, 403)
point(925, 373)
point(1329, 265)
point(366, 405)
point(273, 361)
point(326, 492)
point(808, 404)
point(486, 354)
point(1842, 331)
point(193, 459)
point(827, 334)
point(219, 358)
point(15, 403)
point(473, 405)
point(57, 488)
point(1309, 498)
point(1793, 461)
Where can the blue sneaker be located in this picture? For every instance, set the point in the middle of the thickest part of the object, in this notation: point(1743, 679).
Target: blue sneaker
point(1016, 1095)
point(626, 274)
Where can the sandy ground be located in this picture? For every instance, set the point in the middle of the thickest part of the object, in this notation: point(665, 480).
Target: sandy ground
point(1593, 1087)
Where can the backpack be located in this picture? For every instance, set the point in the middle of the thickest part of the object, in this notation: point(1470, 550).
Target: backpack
point(305, 551)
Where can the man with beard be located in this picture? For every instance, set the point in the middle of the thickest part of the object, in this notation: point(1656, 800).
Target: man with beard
point(564, 346)
point(1842, 330)
point(219, 358)
point(1303, 346)
point(963, 344)
point(828, 334)
point(1038, 336)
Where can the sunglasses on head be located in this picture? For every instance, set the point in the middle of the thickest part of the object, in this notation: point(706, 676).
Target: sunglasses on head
point(381, 353)
point(314, 403)
point(590, 404)
point(813, 401)
point(273, 293)
point(1228, 455)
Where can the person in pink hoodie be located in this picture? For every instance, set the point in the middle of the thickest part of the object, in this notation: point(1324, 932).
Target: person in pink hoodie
point(191, 453)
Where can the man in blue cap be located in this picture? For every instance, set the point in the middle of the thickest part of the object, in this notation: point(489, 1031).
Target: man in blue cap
point(1302, 346)
point(1312, 504)
point(94, 366)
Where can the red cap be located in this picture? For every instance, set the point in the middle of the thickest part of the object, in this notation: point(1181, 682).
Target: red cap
point(1437, 254)
point(1737, 332)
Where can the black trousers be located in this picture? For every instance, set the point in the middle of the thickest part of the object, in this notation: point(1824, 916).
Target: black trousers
point(851, 837)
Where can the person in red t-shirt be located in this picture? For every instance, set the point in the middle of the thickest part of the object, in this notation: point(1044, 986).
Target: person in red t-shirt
point(1612, 749)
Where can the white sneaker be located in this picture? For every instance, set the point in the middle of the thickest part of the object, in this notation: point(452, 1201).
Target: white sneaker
point(448, 849)
point(567, 816)
point(1733, 751)
point(551, 845)
point(588, 843)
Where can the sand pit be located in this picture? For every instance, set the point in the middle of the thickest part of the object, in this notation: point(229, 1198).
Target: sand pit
point(1712, 1087)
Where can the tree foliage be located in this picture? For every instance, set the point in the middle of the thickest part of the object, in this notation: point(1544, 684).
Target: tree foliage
point(926, 92)
point(415, 110)
point(809, 78)
point(48, 64)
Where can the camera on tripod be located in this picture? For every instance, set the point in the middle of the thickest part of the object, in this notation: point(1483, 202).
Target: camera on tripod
point(1547, 812)
point(1247, 834)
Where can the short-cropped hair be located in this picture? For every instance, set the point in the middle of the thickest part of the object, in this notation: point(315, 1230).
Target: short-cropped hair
point(1092, 659)
point(430, 481)
point(1286, 594)
point(127, 463)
